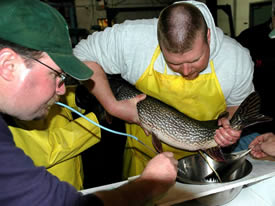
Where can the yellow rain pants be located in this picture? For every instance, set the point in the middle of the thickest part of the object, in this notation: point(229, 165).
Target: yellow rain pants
point(57, 141)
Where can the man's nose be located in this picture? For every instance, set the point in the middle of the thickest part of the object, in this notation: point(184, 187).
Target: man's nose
point(186, 69)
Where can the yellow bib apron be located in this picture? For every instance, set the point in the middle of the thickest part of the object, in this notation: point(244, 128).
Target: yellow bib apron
point(201, 99)
point(57, 141)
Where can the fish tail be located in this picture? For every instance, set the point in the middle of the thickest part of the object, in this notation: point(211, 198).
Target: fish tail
point(248, 113)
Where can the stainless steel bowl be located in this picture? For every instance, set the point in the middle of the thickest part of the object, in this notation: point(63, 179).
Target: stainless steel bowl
point(193, 169)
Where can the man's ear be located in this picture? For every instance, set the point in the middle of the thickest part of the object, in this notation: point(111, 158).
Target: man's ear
point(208, 36)
point(7, 63)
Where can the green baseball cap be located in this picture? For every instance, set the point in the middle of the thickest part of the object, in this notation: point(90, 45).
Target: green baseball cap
point(272, 34)
point(36, 25)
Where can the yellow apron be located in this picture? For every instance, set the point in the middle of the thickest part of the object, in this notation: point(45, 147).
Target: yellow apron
point(56, 142)
point(201, 99)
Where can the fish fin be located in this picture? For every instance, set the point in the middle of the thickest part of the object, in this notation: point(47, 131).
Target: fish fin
point(215, 153)
point(248, 113)
point(108, 118)
point(258, 119)
point(157, 143)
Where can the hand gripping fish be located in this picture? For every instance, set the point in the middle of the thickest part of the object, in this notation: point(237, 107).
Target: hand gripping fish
point(180, 131)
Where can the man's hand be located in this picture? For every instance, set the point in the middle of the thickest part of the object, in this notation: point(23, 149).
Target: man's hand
point(162, 170)
point(225, 135)
point(127, 109)
point(158, 176)
point(263, 146)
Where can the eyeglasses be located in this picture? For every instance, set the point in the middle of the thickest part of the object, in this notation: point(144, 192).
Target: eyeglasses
point(62, 75)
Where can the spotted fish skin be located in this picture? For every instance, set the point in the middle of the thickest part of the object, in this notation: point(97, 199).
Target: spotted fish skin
point(180, 131)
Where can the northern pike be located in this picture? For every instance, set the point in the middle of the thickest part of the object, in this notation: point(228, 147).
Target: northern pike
point(180, 131)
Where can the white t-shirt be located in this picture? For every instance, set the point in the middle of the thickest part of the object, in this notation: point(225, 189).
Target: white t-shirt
point(127, 49)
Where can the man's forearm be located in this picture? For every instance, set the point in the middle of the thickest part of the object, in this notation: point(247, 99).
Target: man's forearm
point(131, 194)
point(100, 88)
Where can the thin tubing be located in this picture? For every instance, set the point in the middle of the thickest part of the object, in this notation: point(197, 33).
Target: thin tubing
point(102, 127)
point(105, 128)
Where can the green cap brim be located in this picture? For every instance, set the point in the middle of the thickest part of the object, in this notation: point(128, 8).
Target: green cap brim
point(272, 34)
point(72, 66)
point(36, 25)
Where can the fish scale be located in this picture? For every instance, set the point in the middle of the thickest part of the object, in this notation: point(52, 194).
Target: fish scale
point(173, 127)
point(180, 131)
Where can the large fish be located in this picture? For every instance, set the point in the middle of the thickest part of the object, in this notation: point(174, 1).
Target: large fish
point(180, 131)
